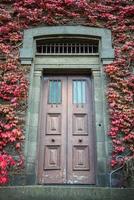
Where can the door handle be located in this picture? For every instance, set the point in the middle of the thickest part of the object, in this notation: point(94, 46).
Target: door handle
point(53, 140)
point(80, 140)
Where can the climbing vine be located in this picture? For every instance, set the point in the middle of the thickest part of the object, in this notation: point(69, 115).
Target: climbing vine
point(17, 15)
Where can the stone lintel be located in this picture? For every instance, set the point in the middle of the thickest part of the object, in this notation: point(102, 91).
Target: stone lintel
point(103, 34)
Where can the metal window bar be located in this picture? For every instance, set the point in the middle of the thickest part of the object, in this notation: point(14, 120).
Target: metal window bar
point(67, 48)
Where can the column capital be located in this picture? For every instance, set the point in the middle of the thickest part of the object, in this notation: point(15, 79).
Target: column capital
point(96, 73)
point(106, 61)
point(38, 73)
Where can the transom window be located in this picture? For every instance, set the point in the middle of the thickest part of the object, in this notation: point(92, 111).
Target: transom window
point(66, 46)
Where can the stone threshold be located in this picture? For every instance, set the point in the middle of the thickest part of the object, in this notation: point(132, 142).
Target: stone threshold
point(60, 192)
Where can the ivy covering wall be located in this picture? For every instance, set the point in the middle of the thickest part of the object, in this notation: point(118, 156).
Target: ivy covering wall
point(17, 15)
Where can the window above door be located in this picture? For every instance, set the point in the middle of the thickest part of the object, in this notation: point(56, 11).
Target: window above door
point(98, 41)
point(67, 46)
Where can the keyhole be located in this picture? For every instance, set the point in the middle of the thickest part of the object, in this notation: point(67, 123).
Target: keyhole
point(53, 140)
point(80, 140)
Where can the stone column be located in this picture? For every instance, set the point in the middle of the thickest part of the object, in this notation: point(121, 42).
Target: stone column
point(99, 127)
point(32, 127)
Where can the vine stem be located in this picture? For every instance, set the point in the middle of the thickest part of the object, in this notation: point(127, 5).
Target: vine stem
point(112, 172)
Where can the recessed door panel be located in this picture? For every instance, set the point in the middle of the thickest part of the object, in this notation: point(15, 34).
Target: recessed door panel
point(52, 157)
point(53, 124)
point(80, 124)
point(80, 158)
point(66, 148)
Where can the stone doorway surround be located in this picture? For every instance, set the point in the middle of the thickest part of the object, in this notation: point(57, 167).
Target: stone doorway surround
point(90, 63)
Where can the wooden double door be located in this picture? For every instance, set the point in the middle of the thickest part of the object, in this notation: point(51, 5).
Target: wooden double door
point(66, 147)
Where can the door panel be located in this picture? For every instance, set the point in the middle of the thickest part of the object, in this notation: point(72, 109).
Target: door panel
point(52, 156)
point(53, 124)
point(66, 151)
point(52, 149)
point(80, 133)
point(80, 158)
point(80, 124)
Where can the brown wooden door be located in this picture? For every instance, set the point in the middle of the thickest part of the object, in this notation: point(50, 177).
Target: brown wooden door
point(66, 147)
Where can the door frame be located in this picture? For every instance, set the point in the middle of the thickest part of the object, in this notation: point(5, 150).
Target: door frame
point(100, 121)
point(28, 57)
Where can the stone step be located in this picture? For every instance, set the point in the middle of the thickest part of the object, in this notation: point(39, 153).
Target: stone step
point(65, 193)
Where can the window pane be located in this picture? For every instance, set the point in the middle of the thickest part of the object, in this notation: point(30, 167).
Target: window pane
point(83, 91)
point(67, 46)
point(54, 92)
point(74, 92)
point(79, 94)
